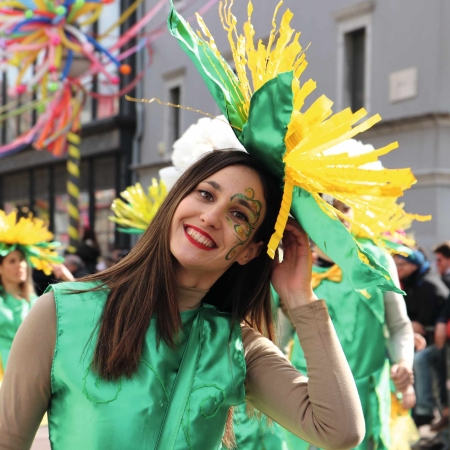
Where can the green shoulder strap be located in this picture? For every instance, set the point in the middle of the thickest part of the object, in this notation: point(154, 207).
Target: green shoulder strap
point(182, 387)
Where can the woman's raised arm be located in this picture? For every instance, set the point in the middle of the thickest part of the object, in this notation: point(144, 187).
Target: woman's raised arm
point(324, 409)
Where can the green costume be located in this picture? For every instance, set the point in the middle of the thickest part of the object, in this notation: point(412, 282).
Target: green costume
point(254, 433)
point(178, 399)
point(360, 325)
point(12, 313)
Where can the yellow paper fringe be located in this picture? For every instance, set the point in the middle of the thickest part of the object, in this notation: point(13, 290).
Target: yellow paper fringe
point(29, 232)
point(312, 132)
point(140, 208)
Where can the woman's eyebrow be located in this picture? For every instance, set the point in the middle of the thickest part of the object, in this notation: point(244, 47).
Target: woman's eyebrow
point(215, 185)
point(244, 203)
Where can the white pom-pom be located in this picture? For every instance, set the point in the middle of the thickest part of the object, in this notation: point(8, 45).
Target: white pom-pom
point(169, 176)
point(354, 148)
point(203, 137)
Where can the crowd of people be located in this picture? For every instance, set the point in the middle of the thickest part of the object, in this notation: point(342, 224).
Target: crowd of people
point(427, 295)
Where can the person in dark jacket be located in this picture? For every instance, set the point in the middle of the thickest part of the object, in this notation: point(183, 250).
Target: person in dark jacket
point(442, 255)
point(426, 295)
point(89, 250)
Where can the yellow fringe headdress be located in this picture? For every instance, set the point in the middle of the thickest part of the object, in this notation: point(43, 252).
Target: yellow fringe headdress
point(137, 211)
point(31, 236)
point(263, 101)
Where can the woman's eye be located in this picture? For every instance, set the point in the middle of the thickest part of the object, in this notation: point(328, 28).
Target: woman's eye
point(240, 216)
point(205, 195)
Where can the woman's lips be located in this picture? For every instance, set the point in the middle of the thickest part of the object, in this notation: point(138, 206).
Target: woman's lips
point(199, 238)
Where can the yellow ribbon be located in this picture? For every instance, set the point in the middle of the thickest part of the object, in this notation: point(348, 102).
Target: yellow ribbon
point(334, 274)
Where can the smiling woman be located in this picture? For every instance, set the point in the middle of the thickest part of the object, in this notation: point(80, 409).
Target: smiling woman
point(219, 218)
point(159, 348)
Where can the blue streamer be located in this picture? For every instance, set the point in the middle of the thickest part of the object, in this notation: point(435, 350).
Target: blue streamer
point(68, 65)
point(17, 28)
point(103, 50)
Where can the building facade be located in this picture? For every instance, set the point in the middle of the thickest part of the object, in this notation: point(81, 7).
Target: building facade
point(393, 58)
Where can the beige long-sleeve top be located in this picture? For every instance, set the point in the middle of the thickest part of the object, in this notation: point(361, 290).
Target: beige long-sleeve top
point(324, 409)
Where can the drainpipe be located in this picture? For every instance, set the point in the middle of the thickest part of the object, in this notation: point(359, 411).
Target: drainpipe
point(140, 107)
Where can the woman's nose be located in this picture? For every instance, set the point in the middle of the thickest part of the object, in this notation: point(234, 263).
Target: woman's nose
point(212, 217)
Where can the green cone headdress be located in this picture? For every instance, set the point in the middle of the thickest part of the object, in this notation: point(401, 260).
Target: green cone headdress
point(267, 115)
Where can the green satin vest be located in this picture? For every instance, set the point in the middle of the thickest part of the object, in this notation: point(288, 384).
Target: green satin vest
point(359, 322)
point(12, 313)
point(91, 414)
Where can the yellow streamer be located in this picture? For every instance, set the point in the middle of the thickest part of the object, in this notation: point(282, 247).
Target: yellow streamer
point(69, 44)
point(125, 15)
point(92, 18)
point(157, 100)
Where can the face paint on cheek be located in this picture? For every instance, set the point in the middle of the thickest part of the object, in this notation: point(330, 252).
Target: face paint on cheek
point(244, 231)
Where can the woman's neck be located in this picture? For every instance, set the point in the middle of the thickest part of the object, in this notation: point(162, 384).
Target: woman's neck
point(196, 279)
point(13, 289)
point(189, 298)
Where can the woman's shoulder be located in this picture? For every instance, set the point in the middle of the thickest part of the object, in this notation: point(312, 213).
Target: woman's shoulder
point(74, 287)
point(43, 311)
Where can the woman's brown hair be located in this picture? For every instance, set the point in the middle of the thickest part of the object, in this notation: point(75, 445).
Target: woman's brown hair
point(144, 283)
point(27, 287)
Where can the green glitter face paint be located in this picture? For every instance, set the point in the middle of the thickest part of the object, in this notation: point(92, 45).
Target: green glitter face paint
point(252, 211)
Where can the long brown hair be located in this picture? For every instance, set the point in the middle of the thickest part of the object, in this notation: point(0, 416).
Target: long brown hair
point(144, 283)
point(27, 287)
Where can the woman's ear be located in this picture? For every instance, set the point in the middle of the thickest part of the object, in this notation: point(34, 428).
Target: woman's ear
point(251, 252)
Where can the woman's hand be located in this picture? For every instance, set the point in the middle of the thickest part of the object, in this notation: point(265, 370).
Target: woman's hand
point(419, 342)
point(292, 277)
point(409, 397)
point(62, 272)
point(402, 376)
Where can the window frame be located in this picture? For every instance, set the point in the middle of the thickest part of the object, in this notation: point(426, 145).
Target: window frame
point(169, 84)
point(348, 25)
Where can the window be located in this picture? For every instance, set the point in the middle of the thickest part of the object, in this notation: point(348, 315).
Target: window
point(354, 26)
point(173, 118)
point(174, 115)
point(179, 3)
point(355, 49)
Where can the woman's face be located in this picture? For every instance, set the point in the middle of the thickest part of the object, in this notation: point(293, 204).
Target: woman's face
point(13, 269)
point(214, 226)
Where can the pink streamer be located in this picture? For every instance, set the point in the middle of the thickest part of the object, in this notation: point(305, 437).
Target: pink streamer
point(134, 30)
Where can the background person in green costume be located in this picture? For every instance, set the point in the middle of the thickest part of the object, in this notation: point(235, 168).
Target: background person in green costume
point(16, 296)
point(360, 324)
point(178, 332)
point(23, 243)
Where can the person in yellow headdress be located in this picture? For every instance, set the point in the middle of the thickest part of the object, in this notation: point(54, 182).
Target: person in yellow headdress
point(23, 244)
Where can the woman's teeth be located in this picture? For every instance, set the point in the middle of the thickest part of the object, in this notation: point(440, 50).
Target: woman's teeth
point(198, 237)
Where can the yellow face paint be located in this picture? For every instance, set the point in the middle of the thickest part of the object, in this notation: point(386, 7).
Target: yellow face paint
point(252, 211)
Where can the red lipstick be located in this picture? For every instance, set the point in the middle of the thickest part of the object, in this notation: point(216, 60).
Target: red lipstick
point(203, 233)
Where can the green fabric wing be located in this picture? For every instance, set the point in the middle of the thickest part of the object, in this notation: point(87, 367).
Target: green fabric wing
point(216, 73)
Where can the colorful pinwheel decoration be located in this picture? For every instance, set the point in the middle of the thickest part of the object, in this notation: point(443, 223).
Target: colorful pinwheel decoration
point(42, 39)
